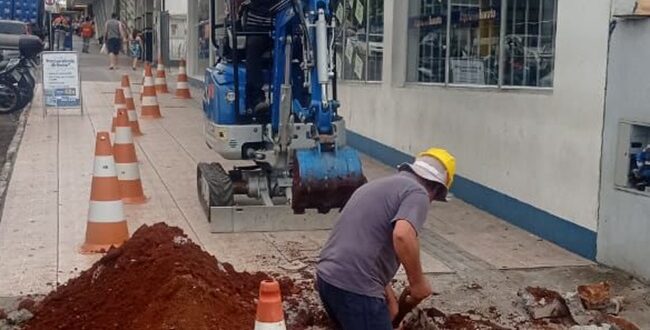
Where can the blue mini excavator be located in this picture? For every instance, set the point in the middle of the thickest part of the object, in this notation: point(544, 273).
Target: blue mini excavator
point(298, 148)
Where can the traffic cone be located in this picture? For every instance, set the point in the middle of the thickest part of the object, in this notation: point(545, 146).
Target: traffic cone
point(130, 106)
point(161, 79)
point(119, 102)
point(182, 87)
point(269, 307)
point(106, 225)
point(150, 107)
point(144, 75)
point(126, 87)
point(128, 173)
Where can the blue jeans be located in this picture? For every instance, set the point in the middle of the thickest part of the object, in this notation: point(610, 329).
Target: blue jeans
point(351, 311)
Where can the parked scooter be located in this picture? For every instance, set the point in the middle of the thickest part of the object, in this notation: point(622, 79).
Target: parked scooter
point(17, 79)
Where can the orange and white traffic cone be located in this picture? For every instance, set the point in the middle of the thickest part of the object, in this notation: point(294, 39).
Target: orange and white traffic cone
point(128, 173)
point(106, 225)
point(182, 86)
point(161, 78)
point(119, 102)
point(150, 107)
point(126, 87)
point(269, 307)
point(130, 106)
point(144, 75)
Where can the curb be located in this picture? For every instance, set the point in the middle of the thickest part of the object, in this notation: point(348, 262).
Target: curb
point(12, 151)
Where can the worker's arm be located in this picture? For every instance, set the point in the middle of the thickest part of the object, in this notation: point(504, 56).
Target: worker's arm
point(407, 248)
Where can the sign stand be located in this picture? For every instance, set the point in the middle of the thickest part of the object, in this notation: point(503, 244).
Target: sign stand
point(61, 79)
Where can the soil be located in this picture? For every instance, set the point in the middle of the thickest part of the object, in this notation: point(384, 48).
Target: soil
point(159, 279)
point(28, 304)
point(433, 318)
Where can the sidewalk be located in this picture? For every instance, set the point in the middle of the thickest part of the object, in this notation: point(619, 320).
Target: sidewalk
point(45, 213)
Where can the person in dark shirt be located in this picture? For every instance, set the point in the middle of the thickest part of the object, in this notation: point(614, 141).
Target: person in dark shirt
point(375, 233)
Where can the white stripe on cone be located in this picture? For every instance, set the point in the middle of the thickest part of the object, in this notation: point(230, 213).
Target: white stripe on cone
point(109, 212)
point(123, 135)
point(127, 93)
point(149, 101)
point(148, 81)
point(270, 325)
point(182, 85)
point(104, 167)
point(160, 81)
point(132, 115)
point(128, 171)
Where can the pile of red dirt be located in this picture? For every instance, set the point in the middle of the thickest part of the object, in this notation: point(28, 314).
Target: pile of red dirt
point(159, 279)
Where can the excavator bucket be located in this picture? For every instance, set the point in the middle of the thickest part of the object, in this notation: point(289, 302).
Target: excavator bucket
point(323, 180)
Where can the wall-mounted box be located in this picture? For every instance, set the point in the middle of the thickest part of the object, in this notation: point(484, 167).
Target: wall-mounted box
point(632, 168)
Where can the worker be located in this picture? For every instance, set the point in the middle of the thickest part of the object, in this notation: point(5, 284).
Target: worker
point(377, 231)
point(257, 17)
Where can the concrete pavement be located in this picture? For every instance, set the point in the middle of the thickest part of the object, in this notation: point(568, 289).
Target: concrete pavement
point(45, 213)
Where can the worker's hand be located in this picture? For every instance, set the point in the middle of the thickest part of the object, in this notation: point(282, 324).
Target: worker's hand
point(420, 290)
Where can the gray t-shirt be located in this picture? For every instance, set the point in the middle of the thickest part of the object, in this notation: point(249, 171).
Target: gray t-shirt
point(359, 256)
point(113, 29)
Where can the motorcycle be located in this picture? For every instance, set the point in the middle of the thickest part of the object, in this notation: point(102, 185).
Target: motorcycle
point(17, 79)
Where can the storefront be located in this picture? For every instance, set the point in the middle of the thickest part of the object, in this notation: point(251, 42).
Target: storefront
point(514, 88)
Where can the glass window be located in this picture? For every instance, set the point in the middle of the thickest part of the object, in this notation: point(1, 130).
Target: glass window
point(465, 37)
point(360, 43)
point(474, 42)
point(203, 33)
point(529, 43)
point(428, 34)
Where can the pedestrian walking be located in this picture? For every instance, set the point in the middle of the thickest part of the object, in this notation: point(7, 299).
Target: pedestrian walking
point(60, 25)
point(87, 32)
point(135, 48)
point(376, 232)
point(114, 35)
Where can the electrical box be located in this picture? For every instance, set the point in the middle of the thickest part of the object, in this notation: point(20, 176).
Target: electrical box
point(632, 169)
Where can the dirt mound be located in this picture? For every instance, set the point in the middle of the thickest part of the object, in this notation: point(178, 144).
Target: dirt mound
point(158, 279)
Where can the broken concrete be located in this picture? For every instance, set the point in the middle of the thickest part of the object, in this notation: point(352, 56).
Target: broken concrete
point(595, 295)
point(579, 313)
point(19, 316)
point(543, 303)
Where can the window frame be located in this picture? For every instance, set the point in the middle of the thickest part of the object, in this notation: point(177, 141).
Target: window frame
point(340, 67)
point(500, 86)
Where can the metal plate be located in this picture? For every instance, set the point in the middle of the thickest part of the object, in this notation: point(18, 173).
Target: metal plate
point(259, 218)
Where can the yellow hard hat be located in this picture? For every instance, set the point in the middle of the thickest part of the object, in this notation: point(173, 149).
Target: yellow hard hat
point(446, 159)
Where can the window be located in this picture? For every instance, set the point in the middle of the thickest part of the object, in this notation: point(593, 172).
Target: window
point(360, 41)
point(632, 167)
point(529, 43)
point(482, 42)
